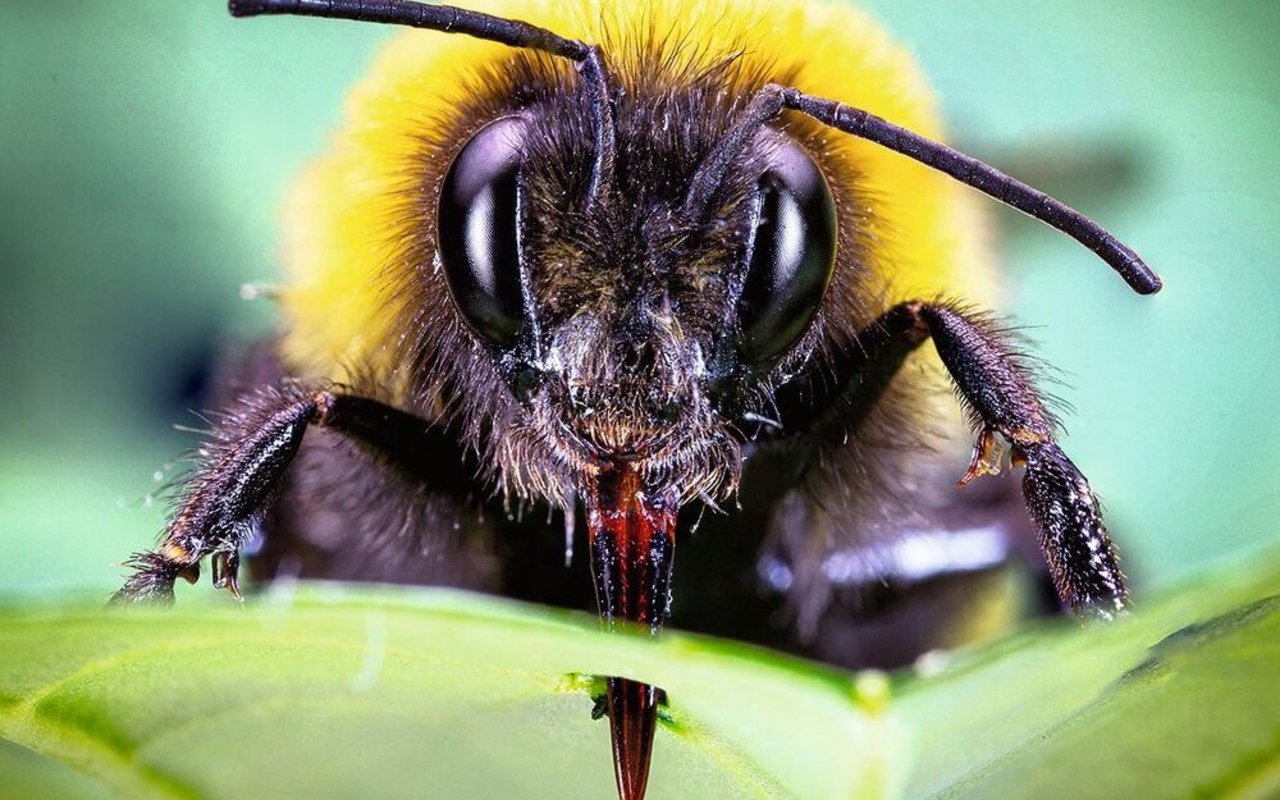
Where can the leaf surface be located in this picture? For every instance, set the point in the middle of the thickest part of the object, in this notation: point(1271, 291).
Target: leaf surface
point(339, 692)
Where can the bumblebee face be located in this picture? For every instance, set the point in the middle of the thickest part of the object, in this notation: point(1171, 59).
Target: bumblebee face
point(629, 323)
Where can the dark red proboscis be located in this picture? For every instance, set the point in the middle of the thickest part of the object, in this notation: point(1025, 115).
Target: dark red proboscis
point(632, 536)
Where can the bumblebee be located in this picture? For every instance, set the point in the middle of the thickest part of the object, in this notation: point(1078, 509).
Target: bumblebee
point(641, 267)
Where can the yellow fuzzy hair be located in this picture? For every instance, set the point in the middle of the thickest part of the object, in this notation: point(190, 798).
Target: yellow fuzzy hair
point(926, 231)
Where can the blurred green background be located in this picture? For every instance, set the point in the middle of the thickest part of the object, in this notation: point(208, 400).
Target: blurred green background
point(144, 148)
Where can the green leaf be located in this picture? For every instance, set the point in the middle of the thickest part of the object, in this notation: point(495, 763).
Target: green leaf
point(335, 693)
point(343, 692)
point(1178, 701)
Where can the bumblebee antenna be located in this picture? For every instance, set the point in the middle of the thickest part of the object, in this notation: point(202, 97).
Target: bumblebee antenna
point(448, 19)
point(767, 104)
point(770, 101)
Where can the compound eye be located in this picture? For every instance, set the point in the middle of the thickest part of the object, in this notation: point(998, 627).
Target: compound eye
point(478, 241)
point(792, 255)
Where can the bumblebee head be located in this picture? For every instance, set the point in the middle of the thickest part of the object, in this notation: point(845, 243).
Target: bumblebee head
point(632, 302)
point(632, 262)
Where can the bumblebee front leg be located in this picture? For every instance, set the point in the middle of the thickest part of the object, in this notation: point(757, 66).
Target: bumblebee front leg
point(995, 385)
point(240, 469)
